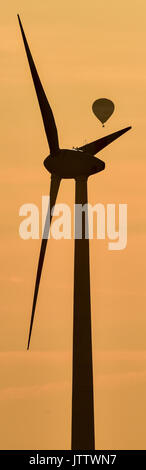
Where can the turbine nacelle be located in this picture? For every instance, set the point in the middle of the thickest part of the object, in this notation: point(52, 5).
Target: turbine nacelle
point(73, 163)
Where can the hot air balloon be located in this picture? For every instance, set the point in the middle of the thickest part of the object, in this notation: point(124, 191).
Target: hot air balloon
point(103, 109)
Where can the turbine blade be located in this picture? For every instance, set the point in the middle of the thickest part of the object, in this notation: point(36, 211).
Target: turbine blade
point(55, 183)
point(97, 145)
point(46, 111)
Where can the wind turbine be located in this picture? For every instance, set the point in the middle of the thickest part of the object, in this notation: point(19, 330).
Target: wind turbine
point(78, 164)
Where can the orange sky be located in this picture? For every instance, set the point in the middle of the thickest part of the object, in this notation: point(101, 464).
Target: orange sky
point(83, 51)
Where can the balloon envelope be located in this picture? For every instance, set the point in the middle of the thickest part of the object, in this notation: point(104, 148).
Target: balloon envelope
point(103, 109)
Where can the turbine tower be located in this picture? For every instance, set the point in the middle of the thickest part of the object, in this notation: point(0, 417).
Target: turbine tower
point(79, 164)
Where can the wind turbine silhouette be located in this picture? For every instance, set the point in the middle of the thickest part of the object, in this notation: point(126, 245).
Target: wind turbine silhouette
point(79, 164)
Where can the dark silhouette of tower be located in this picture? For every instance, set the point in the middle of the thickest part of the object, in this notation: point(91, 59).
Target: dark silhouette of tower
point(82, 381)
point(79, 164)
